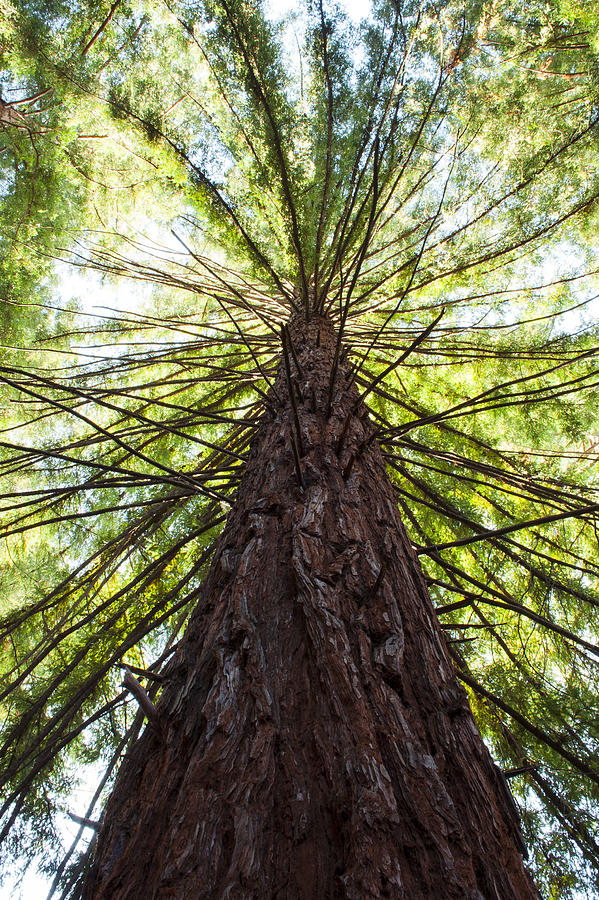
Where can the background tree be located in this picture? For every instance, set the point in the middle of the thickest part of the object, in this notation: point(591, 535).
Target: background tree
point(395, 179)
point(66, 163)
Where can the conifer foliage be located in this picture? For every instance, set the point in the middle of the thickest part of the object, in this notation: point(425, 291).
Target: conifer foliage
point(424, 181)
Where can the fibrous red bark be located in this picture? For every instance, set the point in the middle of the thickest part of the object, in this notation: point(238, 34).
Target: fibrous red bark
point(315, 741)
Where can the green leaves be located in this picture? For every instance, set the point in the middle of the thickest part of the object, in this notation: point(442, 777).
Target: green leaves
point(433, 158)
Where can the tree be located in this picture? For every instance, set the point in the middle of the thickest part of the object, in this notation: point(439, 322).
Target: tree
point(379, 329)
point(66, 164)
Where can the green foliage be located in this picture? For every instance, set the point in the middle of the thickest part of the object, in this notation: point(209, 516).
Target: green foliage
point(65, 164)
point(427, 179)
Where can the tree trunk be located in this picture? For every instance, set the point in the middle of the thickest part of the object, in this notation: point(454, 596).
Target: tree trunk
point(315, 741)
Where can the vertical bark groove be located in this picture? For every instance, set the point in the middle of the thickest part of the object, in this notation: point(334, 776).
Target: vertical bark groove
point(317, 743)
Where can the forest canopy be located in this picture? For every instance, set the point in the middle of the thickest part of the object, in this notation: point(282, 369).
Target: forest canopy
point(423, 174)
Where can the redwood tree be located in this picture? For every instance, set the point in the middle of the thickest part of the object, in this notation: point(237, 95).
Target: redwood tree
point(371, 307)
point(312, 739)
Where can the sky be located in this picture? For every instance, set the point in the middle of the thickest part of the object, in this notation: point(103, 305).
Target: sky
point(357, 9)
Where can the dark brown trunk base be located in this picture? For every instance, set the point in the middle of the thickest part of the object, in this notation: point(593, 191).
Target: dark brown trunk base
point(317, 744)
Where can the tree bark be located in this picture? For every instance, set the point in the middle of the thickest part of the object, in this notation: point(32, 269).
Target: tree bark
point(316, 743)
